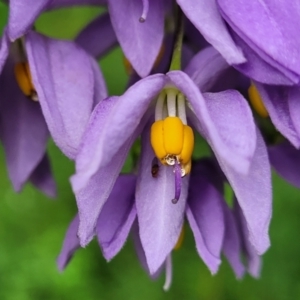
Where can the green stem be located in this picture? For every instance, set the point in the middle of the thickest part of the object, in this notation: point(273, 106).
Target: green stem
point(176, 57)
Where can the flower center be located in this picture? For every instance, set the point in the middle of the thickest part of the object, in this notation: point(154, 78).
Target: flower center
point(24, 80)
point(256, 101)
point(172, 139)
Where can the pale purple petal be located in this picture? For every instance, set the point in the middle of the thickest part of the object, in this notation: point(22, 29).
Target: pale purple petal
point(224, 119)
point(160, 221)
point(206, 67)
point(22, 15)
point(63, 76)
point(266, 26)
point(286, 161)
point(23, 130)
point(252, 257)
point(277, 102)
point(205, 16)
point(124, 118)
point(98, 37)
point(70, 245)
point(254, 194)
point(232, 247)
point(4, 49)
point(65, 3)
point(138, 38)
point(205, 215)
point(117, 216)
point(42, 178)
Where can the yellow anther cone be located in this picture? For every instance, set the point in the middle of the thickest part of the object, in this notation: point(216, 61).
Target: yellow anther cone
point(188, 145)
point(257, 102)
point(157, 139)
point(173, 135)
point(23, 77)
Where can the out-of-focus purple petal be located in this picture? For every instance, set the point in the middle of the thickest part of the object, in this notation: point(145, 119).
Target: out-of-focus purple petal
point(124, 118)
point(160, 221)
point(205, 215)
point(232, 247)
point(293, 94)
point(205, 68)
point(98, 37)
point(253, 259)
point(4, 49)
point(286, 161)
point(65, 3)
point(205, 16)
point(117, 216)
point(266, 26)
point(42, 178)
point(23, 130)
point(70, 245)
point(100, 90)
point(254, 194)
point(277, 101)
point(64, 80)
point(258, 69)
point(136, 38)
point(22, 14)
point(224, 119)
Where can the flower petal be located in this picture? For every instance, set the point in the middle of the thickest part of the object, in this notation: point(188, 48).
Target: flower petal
point(286, 161)
point(65, 3)
point(136, 38)
point(266, 26)
point(124, 118)
point(205, 215)
point(63, 75)
point(277, 100)
point(98, 37)
point(206, 67)
point(205, 16)
point(23, 130)
point(42, 178)
point(70, 244)
point(22, 15)
point(224, 119)
point(4, 49)
point(160, 221)
point(117, 216)
point(254, 194)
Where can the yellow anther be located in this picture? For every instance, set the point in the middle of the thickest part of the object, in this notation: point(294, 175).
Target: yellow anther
point(257, 102)
point(24, 80)
point(170, 138)
point(180, 239)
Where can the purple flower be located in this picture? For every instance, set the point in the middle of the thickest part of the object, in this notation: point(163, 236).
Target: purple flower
point(144, 29)
point(226, 122)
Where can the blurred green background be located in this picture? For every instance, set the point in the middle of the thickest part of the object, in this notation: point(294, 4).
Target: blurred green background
point(32, 228)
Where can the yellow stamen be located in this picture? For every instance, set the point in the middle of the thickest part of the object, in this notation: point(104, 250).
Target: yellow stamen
point(170, 138)
point(24, 80)
point(257, 102)
point(180, 239)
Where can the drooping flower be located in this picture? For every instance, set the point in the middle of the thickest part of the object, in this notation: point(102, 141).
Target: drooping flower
point(224, 119)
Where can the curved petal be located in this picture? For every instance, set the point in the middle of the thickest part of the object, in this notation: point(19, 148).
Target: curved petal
point(98, 37)
point(286, 161)
point(63, 76)
point(22, 15)
point(23, 130)
point(266, 26)
point(140, 42)
point(117, 216)
point(160, 221)
point(232, 247)
point(205, 16)
point(224, 119)
point(206, 67)
point(42, 178)
point(4, 49)
point(65, 3)
point(252, 258)
point(277, 101)
point(254, 194)
point(258, 69)
point(205, 215)
point(70, 245)
point(124, 118)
